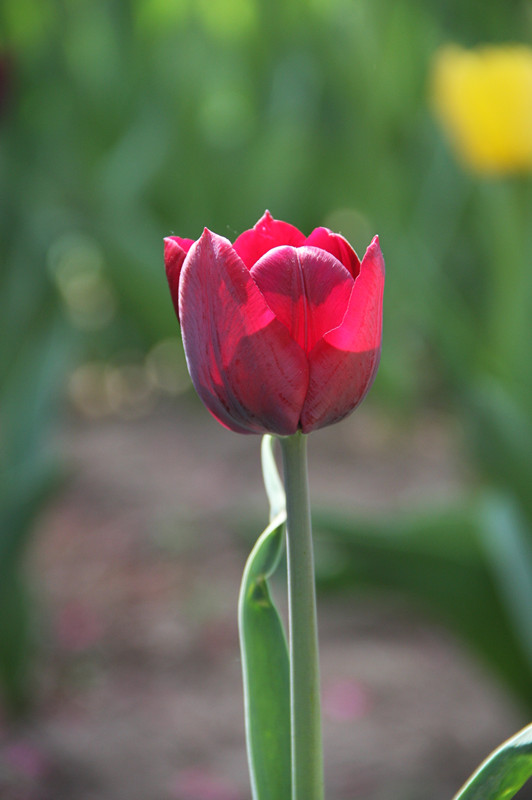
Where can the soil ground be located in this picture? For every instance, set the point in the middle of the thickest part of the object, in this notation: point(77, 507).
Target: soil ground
point(137, 565)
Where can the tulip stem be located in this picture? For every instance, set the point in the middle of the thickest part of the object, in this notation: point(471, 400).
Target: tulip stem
point(305, 712)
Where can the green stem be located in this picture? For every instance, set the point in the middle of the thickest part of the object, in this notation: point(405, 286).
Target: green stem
point(305, 713)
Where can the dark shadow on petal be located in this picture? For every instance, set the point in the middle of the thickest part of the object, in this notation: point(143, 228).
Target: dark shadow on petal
point(338, 382)
point(261, 389)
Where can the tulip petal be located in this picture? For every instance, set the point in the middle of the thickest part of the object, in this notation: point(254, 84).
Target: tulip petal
point(343, 364)
point(244, 365)
point(337, 246)
point(307, 289)
point(267, 233)
point(175, 250)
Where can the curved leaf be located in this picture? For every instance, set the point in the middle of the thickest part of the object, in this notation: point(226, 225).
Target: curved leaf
point(503, 773)
point(265, 663)
point(272, 480)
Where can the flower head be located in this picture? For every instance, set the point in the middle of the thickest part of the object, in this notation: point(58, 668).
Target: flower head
point(281, 332)
point(484, 100)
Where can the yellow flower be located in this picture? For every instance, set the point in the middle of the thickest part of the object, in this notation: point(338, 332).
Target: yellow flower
point(483, 98)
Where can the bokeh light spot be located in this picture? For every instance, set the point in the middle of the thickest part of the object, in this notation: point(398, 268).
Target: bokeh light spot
point(76, 264)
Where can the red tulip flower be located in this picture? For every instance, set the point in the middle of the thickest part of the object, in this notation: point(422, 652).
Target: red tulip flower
point(281, 332)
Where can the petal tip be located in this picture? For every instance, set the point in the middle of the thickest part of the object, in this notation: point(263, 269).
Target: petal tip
point(266, 218)
point(374, 254)
point(174, 255)
point(207, 239)
point(175, 250)
point(171, 245)
point(374, 244)
point(212, 240)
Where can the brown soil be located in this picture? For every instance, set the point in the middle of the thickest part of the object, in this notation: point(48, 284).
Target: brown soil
point(137, 567)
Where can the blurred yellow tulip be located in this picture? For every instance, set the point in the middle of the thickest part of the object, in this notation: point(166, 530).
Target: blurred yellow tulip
point(483, 98)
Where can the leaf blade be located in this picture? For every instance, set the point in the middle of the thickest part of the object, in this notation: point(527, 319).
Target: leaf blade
point(503, 773)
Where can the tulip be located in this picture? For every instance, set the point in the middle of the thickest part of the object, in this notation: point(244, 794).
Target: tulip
point(281, 333)
point(483, 98)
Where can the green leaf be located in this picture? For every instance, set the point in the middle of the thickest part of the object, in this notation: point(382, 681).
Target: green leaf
point(441, 562)
point(16, 641)
point(500, 431)
point(506, 539)
point(503, 773)
point(272, 480)
point(265, 662)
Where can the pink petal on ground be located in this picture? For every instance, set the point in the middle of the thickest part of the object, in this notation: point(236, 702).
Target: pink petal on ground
point(78, 628)
point(197, 784)
point(345, 700)
point(27, 759)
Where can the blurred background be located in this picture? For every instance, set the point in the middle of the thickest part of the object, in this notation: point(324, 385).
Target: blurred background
point(126, 512)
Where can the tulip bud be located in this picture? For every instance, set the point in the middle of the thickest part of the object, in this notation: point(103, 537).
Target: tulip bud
point(281, 332)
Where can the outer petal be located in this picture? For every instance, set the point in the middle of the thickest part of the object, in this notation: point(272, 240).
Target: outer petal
point(175, 250)
point(267, 233)
point(244, 365)
point(307, 289)
point(337, 246)
point(343, 364)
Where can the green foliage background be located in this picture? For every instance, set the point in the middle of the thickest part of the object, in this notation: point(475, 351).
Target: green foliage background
point(125, 121)
point(122, 122)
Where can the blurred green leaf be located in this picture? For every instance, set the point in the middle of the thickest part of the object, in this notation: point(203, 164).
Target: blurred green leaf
point(33, 362)
point(16, 640)
point(508, 545)
point(500, 435)
point(438, 562)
